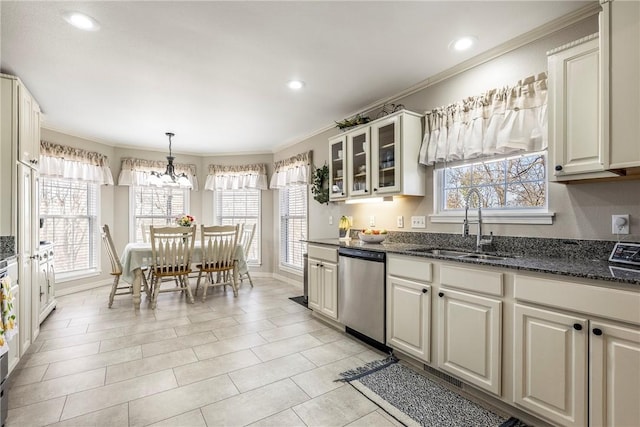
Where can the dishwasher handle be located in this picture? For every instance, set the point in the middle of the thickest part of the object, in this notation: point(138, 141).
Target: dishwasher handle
point(362, 254)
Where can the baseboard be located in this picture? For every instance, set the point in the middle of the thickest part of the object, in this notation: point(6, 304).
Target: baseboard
point(287, 280)
point(84, 287)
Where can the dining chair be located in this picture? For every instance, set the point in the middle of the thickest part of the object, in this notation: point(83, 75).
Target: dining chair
point(116, 269)
point(171, 253)
point(144, 229)
point(245, 240)
point(218, 256)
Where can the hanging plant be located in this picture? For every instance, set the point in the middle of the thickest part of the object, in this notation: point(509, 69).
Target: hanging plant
point(320, 186)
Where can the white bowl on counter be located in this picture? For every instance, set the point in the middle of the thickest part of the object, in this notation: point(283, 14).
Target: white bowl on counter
point(372, 238)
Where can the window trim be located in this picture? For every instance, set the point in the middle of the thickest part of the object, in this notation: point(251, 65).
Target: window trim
point(289, 268)
point(132, 210)
point(539, 216)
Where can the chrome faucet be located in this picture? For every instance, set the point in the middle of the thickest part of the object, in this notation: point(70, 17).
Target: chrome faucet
point(480, 242)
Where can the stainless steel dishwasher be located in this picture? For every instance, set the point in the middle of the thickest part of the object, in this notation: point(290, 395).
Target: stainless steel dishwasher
point(361, 294)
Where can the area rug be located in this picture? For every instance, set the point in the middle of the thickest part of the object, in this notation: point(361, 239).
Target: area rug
point(300, 300)
point(413, 399)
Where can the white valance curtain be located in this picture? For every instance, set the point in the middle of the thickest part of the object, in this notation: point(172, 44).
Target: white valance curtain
point(292, 171)
point(237, 177)
point(501, 121)
point(138, 172)
point(60, 161)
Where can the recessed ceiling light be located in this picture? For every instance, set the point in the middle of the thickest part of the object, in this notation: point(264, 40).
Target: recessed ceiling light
point(295, 84)
point(463, 43)
point(81, 21)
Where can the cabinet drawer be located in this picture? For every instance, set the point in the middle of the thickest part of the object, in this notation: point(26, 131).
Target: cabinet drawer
point(475, 280)
point(605, 302)
point(325, 253)
point(409, 267)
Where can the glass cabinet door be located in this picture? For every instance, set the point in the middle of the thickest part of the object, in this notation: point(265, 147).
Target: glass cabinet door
point(359, 163)
point(337, 172)
point(385, 143)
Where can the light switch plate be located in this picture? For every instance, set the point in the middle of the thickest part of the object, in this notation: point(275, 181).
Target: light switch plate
point(400, 221)
point(372, 221)
point(330, 219)
point(418, 222)
point(619, 224)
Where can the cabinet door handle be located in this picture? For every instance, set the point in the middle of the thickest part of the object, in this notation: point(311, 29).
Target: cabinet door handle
point(440, 294)
point(577, 326)
point(375, 189)
point(424, 290)
point(558, 167)
point(597, 331)
point(365, 190)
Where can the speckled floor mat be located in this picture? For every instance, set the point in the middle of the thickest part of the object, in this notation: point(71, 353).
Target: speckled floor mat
point(413, 399)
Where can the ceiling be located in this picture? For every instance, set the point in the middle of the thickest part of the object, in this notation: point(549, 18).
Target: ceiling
point(215, 72)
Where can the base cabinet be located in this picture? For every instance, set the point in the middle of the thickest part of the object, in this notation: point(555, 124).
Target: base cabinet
point(323, 281)
point(470, 338)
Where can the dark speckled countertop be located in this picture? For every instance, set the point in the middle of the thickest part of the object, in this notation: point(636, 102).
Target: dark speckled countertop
point(586, 266)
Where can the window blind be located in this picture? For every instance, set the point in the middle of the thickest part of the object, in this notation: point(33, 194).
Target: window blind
point(240, 207)
point(157, 206)
point(293, 225)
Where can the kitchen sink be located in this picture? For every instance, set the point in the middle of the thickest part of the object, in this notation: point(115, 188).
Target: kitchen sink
point(459, 254)
point(484, 256)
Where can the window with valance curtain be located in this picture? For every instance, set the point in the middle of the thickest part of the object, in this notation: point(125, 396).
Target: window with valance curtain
point(294, 170)
point(503, 121)
point(60, 161)
point(137, 172)
point(237, 177)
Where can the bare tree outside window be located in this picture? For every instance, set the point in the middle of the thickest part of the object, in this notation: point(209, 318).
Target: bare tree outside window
point(511, 183)
point(156, 206)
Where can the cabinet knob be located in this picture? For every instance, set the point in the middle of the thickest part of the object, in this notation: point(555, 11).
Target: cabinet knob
point(365, 190)
point(440, 294)
point(343, 193)
point(577, 326)
point(597, 331)
point(317, 265)
point(424, 290)
point(375, 189)
point(558, 167)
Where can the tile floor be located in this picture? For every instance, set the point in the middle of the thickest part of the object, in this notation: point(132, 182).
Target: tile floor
point(258, 359)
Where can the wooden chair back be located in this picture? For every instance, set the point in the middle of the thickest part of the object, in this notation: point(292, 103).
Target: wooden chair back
point(116, 266)
point(246, 238)
point(172, 249)
point(218, 247)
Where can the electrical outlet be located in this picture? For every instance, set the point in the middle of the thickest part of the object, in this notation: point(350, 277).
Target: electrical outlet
point(620, 224)
point(372, 221)
point(400, 221)
point(418, 222)
point(330, 219)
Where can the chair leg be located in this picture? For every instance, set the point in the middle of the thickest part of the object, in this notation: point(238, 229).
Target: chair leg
point(145, 287)
point(114, 287)
point(156, 290)
point(235, 281)
point(250, 281)
point(198, 282)
point(185, 286)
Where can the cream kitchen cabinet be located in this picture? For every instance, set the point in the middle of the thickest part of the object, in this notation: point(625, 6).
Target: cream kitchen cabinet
point(409, 306)
point(378, 159)
point(470, 325)
point(14, 344)
point(28, 127)
point(577, 352)
point(46, 281)
point(323, 280)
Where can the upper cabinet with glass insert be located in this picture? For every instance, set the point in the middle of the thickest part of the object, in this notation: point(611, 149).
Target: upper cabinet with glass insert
point(381, 159)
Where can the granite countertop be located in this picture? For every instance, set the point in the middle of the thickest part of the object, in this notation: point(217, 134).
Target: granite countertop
point(595, 269)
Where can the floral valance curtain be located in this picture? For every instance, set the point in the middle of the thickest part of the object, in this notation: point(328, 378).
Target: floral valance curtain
point(501, 121)
point(60, 161)
point(292, 171)
point(138, 172)
point(237, 177)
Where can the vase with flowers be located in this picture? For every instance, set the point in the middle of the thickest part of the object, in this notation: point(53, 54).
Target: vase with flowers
point(185, 220)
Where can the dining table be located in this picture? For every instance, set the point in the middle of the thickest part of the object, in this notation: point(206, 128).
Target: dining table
point(137, 255)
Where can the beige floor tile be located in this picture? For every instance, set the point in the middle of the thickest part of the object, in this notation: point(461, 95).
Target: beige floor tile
point(254, 405)
point(114, 416)
point(68, 353)
point(87, 338)
point(160, 362)
point(333, 351)
point(189, 419)
point(62, 332)
point(372, 419)
point(370, 355)
point(94, 361)
point(186, 310)
point(45, 390)
point(215, 314)
point(268, 372)
point(259, 315)
point(328, 335)
point(138, 339)
point(336, 408)
point(156, 325)
point(293, 307)
point(110, 317)
point(205, 326)
point(27, 375)
point(161, 406)
point(113, 394)
point(293, 330)
point(243, 329)
point(284, 347)
point(173, 344)
point(286, 418)
point(322, 380)
point(39, 414)
point(289, 319)
point(213, 367)
point(53, 324)
point(230, 345)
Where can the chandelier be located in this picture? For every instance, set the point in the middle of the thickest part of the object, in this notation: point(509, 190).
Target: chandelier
point(169, 177)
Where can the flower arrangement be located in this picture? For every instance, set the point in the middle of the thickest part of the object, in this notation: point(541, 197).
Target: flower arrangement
point(185, 220)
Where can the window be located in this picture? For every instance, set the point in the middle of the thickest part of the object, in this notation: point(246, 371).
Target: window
point(293, 226)
point(70, 220)
point(158, 206)
point(240, 206)
point(510, 187)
